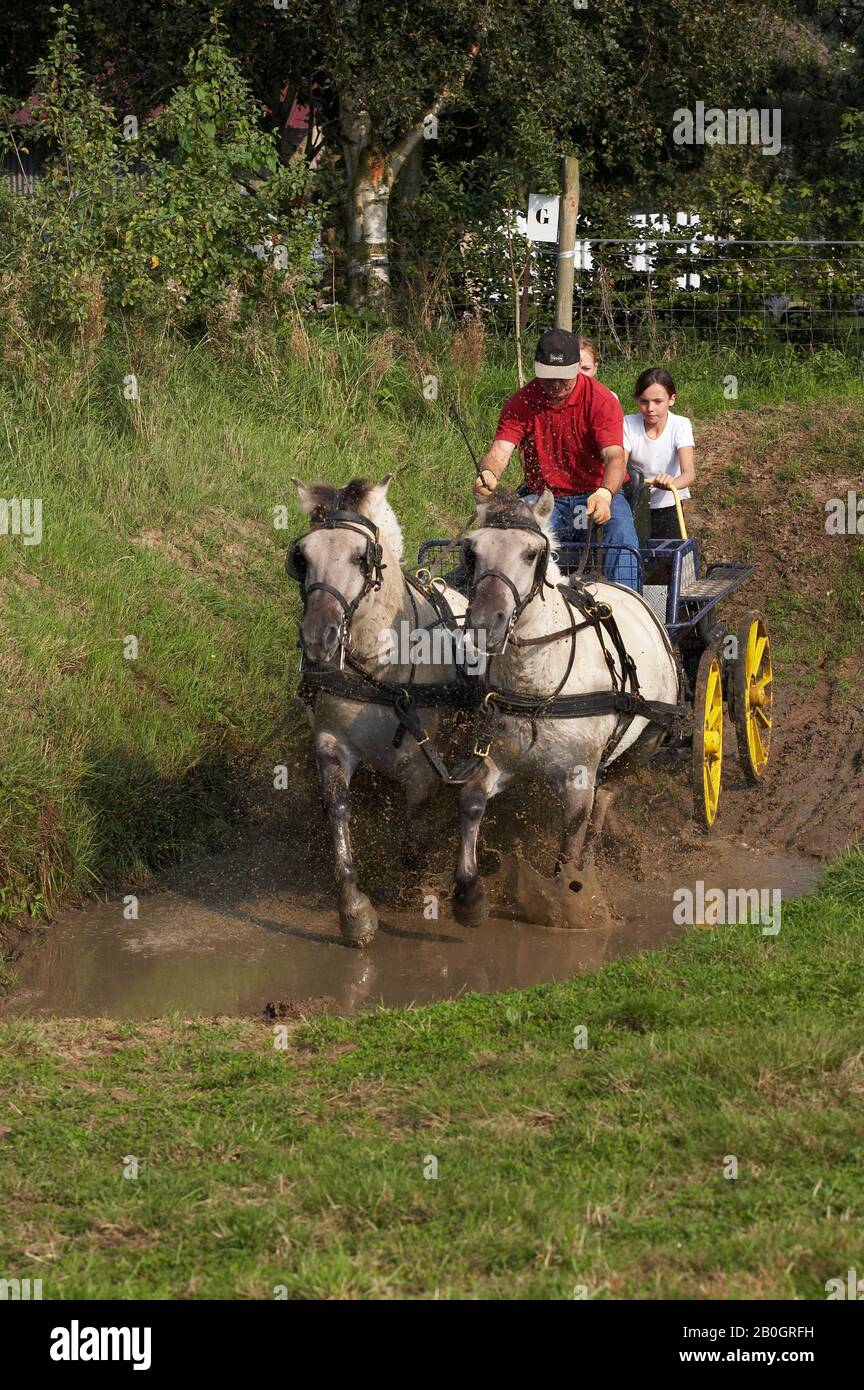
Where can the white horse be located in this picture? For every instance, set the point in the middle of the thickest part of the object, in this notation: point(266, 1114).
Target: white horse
point(566, 752)
point(356, 601)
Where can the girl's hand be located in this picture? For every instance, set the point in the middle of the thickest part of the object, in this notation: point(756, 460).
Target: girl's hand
point(664, 480)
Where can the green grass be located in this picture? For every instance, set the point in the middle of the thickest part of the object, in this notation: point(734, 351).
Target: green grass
point(702, 376)
point(158, 524)
point(601, 1167)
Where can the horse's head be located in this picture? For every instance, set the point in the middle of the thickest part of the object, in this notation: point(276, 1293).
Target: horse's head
point(340, 559)
point(507, 557)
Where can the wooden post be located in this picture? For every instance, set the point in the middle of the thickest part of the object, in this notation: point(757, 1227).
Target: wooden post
point(517, 316)
point(568, 211)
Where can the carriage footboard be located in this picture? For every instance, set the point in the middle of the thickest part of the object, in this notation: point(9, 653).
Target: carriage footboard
point(699, 597)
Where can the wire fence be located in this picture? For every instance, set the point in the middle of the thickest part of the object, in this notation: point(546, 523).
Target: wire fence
point(636, 293)
point(735, 293)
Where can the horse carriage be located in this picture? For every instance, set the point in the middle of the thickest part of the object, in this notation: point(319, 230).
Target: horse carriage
point(581, 673)
point(717, 665)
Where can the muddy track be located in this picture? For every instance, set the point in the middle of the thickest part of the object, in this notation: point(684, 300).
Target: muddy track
point(254, 930)
point(811, 800)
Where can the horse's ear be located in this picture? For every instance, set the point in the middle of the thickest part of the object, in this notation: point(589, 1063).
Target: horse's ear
point(378, 493)
point(544, 506)
point(312, 495)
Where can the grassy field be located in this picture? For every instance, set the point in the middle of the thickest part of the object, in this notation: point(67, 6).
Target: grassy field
point(600, 1172)
point(158, 521)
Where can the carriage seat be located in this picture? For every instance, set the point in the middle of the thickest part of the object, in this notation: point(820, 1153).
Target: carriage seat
point(638, 493)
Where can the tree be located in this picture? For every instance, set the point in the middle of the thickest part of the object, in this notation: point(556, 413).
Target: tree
point(603, 81)
point(161, 220)
point(817, 77)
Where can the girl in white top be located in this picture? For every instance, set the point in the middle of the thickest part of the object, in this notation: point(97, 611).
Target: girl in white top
point(662, 445)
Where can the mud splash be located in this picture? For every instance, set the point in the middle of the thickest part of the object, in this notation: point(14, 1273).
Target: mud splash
point(228, 939)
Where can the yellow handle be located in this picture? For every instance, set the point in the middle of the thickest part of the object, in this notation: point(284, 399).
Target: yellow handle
point(678, 508)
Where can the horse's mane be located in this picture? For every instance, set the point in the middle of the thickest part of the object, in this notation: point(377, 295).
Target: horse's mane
point(359, 495)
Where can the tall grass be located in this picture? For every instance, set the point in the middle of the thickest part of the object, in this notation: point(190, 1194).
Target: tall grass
point(158, 517)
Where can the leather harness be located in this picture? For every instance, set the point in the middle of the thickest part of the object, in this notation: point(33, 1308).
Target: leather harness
point(357, 684)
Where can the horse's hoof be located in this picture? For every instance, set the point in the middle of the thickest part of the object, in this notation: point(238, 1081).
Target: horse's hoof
point(470, 904)
point(360, 924)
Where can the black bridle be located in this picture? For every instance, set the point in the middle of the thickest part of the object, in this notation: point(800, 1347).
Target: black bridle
point(341, 519)
point(506, 521)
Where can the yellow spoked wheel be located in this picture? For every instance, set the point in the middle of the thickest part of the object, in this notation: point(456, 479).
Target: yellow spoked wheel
point(707, 756)
point(753, 696)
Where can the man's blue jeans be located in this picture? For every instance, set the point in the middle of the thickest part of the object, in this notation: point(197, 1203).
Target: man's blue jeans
point(618, 565)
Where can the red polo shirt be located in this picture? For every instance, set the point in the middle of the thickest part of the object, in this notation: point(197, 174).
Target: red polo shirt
point(561, 444)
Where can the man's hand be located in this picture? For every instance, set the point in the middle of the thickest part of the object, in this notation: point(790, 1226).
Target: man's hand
point(484, 485)
point(492, 465)
point(600, 506)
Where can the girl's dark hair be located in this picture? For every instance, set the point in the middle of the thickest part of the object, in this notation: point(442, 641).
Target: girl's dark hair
point(654, 376)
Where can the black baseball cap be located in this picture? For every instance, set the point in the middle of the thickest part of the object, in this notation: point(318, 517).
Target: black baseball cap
point(557, 354)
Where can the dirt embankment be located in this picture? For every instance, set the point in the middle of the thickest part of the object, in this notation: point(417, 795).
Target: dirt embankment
point(764, 481)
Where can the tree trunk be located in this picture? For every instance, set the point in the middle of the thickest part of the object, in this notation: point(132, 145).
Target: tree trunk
point(371, 174)
point(368, 264)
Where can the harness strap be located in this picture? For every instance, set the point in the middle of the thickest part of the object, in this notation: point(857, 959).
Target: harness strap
point(624, 697)
point(443, 612)
point(374, 692)
point(601, 615)
point(585, 705)
point(548, 637)
point(409, 720)
point(404, 704)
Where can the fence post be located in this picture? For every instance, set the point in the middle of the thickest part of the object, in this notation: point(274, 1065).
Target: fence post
point(568, 212)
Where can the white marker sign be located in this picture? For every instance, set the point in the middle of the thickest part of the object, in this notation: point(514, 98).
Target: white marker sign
point(542, 217)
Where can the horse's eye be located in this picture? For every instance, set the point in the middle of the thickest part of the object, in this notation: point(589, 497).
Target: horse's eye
point(530, 556)
point(469, 559)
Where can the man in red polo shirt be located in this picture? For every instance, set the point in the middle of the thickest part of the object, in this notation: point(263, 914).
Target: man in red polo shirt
point(570, 432)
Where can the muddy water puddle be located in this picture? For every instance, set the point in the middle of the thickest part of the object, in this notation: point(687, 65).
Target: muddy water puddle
point(231, 939)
